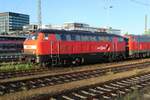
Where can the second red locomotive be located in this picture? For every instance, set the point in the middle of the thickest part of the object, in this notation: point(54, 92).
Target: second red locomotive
point(139, 46)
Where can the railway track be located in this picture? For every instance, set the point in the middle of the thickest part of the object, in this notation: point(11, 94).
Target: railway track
point(14, 74)
point(23, 73)
point(50, 80)
point(111, 90)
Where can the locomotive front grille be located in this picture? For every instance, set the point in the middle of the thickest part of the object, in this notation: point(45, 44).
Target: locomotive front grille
point(29, 51)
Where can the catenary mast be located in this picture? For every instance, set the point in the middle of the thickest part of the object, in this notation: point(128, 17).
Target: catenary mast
point(39, 14)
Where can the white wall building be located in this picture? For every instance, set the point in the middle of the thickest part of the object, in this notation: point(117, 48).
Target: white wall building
point(74, 26)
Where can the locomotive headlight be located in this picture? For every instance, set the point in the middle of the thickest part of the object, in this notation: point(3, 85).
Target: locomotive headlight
point(30, 47)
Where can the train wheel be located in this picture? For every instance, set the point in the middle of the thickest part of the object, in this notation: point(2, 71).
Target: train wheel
point(66, 63)
point(77, 61)
point(22, 59)
point(110, 59)
point(120, 58)
point(82, 61)
point(43, 64)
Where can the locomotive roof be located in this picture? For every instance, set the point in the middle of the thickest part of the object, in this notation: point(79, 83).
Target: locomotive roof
point(77, 32)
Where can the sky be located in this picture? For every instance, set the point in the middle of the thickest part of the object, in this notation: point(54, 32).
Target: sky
point(127, 15)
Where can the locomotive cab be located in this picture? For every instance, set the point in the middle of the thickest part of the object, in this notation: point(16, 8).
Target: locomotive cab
point(35, 44)
point(30, 44)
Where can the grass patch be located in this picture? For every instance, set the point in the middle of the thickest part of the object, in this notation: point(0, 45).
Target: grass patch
point(17, 66)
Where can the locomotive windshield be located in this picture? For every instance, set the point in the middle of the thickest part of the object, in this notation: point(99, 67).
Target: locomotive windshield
point(32, 36)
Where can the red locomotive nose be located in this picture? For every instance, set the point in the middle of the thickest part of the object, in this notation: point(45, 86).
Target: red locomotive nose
point(30, 47)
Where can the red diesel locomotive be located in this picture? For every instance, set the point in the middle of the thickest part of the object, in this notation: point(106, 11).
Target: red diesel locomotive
point(73, 47)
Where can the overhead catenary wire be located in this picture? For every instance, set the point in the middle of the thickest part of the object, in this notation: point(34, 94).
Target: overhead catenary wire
point(141, 2)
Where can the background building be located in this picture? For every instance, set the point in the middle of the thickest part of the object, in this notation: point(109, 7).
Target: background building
point(12, 22)
point(86, 27)
point(30, 28)
point(113, 31)
point(71, 26)
point(75, 26)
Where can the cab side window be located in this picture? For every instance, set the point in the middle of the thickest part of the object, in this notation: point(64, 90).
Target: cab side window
point(93, 38)
point(46, 36)
point(63, 36)
point(68, 37)
point(110, 38)
point(103, 38)
point(34, 37)
point(120, 39)
point(85, 38)
point(78, 38)
point(73, 37)
point(58, 37)
point(97, 38)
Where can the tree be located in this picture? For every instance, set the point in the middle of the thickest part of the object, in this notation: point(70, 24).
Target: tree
point(147, 32)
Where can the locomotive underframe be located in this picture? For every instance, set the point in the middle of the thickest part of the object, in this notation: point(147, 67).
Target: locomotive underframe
point(139, 53)
point(63, 59)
